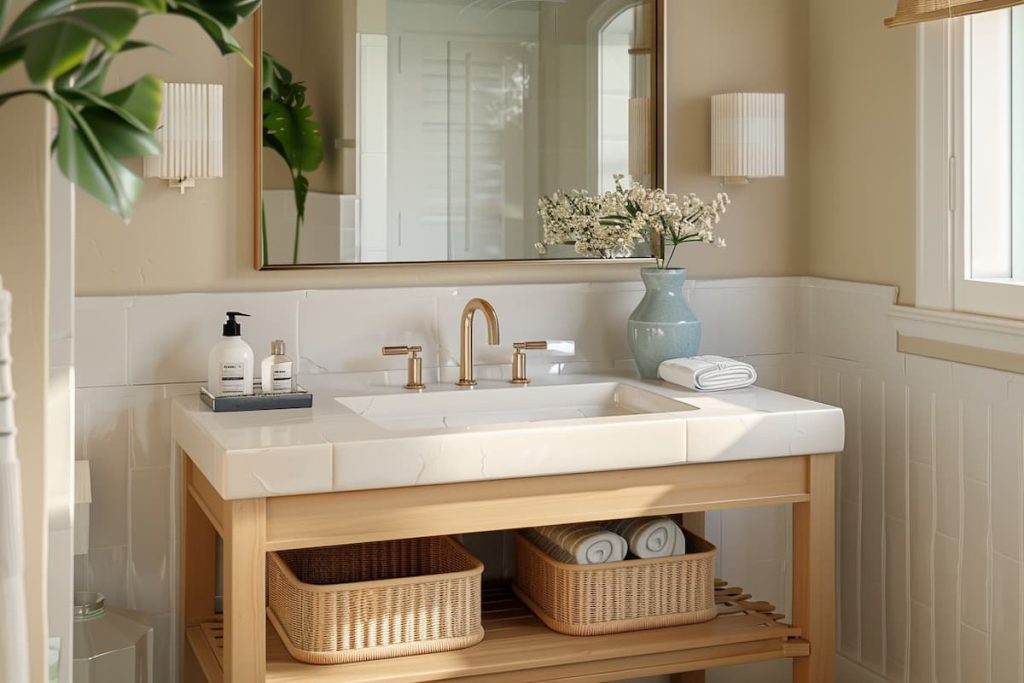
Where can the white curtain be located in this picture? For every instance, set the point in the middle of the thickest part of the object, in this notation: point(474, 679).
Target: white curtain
point(13, 622)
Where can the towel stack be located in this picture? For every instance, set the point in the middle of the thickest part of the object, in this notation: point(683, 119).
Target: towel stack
point(708, 373)
point(649, 537)
point(579, 543)
point(600, 543)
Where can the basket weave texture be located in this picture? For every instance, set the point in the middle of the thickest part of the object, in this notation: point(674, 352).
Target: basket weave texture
point(375, 600)
point(632, 595)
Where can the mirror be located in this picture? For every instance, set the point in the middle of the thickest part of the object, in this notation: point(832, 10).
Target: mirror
point(427, 130)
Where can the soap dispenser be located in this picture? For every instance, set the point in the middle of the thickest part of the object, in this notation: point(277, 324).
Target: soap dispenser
point(231, 361)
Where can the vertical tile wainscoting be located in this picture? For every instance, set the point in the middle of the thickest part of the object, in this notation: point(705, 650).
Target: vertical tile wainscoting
point(931, 581)
point(931, 504)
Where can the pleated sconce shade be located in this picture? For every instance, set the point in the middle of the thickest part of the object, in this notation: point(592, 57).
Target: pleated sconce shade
point(748, 135)
point(191, 133)
point(917, 11)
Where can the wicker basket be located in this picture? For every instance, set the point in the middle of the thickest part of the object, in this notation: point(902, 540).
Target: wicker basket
point(367, 601)
point(633, 595)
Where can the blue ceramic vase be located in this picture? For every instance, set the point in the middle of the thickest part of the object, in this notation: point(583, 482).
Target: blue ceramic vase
point(663, 326)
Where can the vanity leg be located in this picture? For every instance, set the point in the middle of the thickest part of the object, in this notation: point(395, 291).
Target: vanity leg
point(198, 556)
point(814, 567)
point(691, 521)
point(245, 611)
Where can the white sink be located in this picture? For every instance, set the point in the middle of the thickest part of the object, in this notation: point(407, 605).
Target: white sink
point(462, 409)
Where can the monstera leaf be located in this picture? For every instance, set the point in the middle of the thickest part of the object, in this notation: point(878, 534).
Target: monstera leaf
point(289, 130)
point(67, 48)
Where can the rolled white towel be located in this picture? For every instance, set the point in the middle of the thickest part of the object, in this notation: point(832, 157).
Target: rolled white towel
point(650, 536)
point(579, 543)
point(708, 373)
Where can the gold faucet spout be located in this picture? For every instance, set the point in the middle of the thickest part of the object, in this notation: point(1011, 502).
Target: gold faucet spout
point(466, 337)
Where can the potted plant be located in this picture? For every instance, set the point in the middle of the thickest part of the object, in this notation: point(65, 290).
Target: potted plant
point(609, 224)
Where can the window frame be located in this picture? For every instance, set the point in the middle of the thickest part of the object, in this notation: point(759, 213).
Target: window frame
point(943, 158)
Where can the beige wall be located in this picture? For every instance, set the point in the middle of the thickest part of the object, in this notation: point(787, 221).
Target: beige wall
point(862, 189)
point(718, 46)
point(203, 241)
point(24, 229)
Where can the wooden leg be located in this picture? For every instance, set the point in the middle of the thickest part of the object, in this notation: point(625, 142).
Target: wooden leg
point(814, 573)
point(692, 521)
point(198, 555)
point(245, 612)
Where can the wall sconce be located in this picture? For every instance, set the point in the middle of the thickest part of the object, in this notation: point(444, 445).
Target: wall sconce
point(191, 132)
point(748, 136)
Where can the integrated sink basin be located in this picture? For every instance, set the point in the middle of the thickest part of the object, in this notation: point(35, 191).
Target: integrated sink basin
point(467, 408)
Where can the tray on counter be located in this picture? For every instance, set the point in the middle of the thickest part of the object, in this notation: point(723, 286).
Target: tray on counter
point(300, 398)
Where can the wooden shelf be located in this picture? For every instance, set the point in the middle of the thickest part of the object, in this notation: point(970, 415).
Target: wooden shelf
point(518, 648)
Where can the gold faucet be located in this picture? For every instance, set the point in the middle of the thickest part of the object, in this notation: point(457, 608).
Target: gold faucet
point(466, 345)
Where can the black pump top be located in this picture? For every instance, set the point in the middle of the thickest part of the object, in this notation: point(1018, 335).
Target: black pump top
point(231, 327)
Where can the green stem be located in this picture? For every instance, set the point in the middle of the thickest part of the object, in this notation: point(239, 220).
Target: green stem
point(295, 248)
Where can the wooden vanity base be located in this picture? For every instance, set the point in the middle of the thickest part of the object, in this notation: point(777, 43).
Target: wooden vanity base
point(517, 647)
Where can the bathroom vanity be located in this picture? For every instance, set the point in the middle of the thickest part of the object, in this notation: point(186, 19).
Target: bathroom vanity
point(380, 462)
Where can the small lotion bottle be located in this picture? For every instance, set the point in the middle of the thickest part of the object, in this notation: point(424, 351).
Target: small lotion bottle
point(229, 372)
point(276, 371)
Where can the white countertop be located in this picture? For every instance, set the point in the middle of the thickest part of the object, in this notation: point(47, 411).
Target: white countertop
point(330, 447)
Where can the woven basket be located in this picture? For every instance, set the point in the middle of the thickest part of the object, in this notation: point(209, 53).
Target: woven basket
point(633, 595)
point(352, 603)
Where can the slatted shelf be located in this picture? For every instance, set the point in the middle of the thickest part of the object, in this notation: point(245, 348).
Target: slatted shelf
point(518, 648)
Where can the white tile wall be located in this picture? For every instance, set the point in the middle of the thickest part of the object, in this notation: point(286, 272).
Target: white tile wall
point(931, 581)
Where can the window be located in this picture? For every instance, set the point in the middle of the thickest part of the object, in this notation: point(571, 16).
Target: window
point(990, 257)
point(971, 116)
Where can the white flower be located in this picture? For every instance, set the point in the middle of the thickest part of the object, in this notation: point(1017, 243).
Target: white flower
point(612, 221)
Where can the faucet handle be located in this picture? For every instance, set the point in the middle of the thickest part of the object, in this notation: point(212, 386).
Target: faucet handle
point(414, 378)
point(560, 347)
point(567, 348)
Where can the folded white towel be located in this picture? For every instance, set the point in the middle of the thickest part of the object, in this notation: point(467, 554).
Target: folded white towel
point(708, 373)
point(650, 536)
point(579, 543)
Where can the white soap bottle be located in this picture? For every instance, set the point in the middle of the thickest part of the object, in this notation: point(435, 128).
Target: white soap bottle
point(276, 372)
point(229, 372)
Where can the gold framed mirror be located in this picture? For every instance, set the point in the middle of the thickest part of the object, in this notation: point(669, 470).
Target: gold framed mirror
point(425, 131)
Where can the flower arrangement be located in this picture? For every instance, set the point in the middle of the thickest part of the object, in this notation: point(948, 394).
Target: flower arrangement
point(612, 222)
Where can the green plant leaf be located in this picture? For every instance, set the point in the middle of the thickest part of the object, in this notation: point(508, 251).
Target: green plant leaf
point(227, 12)
point(93, 73)
point(85, 162)
point(141, 99)
point(296, 131)
point(36, 12)
point(10, 55)
point(126, 119)
point(120, 138)
point(276, 78)
point(217, 18)
point(62, 43)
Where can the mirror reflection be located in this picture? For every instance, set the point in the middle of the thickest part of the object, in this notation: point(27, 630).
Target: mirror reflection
point(427, 130)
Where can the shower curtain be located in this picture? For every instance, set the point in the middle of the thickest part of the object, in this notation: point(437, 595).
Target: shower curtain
point(13, 623)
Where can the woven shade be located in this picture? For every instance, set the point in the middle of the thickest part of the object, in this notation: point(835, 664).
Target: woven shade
point(917, 11)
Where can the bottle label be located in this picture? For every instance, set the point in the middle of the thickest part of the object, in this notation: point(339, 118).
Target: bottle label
point(232, 379)
point(281, 377)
